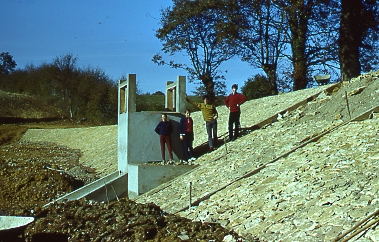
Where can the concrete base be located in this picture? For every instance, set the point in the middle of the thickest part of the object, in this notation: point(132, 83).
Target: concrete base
point(106, 189)
point(144, 177)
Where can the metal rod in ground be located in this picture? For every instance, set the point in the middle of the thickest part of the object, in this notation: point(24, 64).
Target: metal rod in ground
point(347, 104)
point(190, 195)
point(106, 191)
point(226, 148)
point(368, 225)
point(115, 193)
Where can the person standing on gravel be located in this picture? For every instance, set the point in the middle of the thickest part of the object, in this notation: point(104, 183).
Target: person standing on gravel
point(164, 130)
point(233, 102)
point(210, 116)
point(186, 135)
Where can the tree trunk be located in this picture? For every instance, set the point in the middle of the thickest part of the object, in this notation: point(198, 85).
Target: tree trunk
point(209, 86)
point(350, 39)
point(298, 41)
point(299, 15)
point(270, 71)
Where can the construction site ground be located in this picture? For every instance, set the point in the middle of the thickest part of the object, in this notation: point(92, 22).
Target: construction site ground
point(304, 169)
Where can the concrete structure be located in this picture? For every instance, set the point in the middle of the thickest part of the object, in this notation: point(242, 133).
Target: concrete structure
point(138, 144)
point(139, 155)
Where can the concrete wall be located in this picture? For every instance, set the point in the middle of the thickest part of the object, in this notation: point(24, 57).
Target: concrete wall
point(143, 145)
point(144, 177)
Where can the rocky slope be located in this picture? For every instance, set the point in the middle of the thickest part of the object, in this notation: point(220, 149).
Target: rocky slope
point(311, 175)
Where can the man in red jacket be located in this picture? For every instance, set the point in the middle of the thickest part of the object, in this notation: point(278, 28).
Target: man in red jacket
point(233, 102)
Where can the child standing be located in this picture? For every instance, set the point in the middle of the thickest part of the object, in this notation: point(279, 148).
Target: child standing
point(164, 130)
point(186, 135)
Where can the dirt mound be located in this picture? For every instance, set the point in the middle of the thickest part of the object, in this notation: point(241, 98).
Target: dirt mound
point(34, 174)
point(123, 220)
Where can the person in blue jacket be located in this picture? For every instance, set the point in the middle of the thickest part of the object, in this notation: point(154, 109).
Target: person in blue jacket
point(186, 135)
point(164, 130)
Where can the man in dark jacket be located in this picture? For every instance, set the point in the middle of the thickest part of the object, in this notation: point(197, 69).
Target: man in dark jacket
point(233, 102)
point(164, 130)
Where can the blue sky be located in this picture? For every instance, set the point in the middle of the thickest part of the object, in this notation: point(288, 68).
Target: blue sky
point(116, 36)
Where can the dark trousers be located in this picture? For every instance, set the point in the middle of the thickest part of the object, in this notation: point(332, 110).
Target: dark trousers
point(211, 127)
point(165, 139)
point(234, 120)
point(187, 145)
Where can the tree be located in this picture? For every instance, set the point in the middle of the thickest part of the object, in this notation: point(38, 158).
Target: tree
point(350, 38)
point(298, 14)
point(307, 19)
point(263, 43)
point(219, 89)
point(357, 18)
point(256, 87)
point(80, 94)
point(7, 64)
point(65, 75)
point(158, 93)
point(198, 28)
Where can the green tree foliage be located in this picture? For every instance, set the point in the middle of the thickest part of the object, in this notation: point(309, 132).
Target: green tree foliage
point(80, 94)
point(256, 87)
point(199, 29)
point(97, 96)
point(153, 102)
point(219, 89)
point(305, 33)
point(7, 64)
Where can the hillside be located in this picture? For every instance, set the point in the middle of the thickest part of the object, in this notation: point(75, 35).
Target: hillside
point(19, 106)
point(305, 169)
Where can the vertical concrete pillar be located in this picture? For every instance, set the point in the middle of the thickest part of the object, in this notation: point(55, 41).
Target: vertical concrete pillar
point(181, 94)
point(132, 92)
point(168, 96)
point(175, 99)
point(126, 106)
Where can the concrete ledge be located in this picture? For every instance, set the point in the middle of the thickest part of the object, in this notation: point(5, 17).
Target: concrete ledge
point(144, 177)
point(107, 188)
